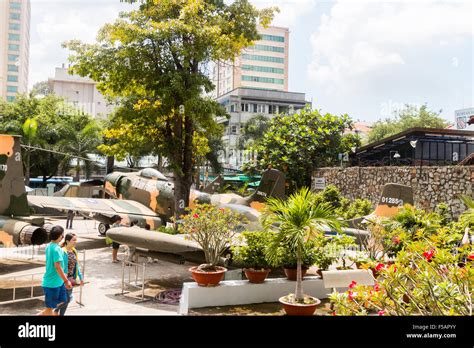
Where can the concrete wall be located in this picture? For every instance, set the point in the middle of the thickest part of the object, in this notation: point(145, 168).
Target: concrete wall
point(431, 185)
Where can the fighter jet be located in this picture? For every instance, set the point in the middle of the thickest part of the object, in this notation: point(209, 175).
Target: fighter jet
point(147, 197)
point(177, 248)
point(17, 226)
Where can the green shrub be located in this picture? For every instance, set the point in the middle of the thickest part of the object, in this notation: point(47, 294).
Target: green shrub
point(251, 252)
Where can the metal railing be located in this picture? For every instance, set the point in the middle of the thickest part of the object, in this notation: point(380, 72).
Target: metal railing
point(129, 283)
point(16, 285)
point(28, 252)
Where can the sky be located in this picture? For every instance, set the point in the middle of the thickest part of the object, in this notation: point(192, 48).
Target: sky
point(364, 58)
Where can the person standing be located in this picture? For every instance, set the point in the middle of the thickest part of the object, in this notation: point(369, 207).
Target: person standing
point(116, 222)
point(70, 218)
point(74, 274)
point(55, 282)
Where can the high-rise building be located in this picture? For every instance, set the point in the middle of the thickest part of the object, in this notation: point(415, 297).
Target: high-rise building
point(261, 66)
point(14, 47)
point(81, 92)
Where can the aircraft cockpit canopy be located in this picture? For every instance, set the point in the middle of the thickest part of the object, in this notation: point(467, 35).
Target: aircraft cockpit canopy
point(151, 173)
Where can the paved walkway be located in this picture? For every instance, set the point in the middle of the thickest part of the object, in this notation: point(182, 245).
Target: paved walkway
point(103, 281)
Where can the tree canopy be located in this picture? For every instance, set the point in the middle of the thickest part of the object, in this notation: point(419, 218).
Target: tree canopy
point(299, 143)
point(155, 59)
point(51, 124)
point(409, 117)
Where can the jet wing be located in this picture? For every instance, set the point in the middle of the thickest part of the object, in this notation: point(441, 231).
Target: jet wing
point(107, 207)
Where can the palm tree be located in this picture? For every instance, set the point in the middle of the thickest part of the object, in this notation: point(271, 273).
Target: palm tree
point(299, 219)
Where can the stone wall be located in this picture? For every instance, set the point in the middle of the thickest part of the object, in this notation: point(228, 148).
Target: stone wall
point(431, 185)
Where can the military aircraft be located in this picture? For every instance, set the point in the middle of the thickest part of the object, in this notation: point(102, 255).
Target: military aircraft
point(147, 197)
point(17, 226)
point(177, 248)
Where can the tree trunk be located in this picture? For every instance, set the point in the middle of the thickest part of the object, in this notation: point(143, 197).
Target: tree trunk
point(78, 170)
point(299, 281)
point(110, 164)
point(27, 169)
point(183, 166)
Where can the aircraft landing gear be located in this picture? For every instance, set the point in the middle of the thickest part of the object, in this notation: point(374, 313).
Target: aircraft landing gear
point(103, 228)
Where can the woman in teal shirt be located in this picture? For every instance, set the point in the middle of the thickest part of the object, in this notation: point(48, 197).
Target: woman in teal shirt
point(55, 281)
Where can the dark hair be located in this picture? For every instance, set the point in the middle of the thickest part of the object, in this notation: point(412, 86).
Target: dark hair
point(67, 238)
point(147, 227)
point(56, 232)
point(116, 218)
point(134, 223)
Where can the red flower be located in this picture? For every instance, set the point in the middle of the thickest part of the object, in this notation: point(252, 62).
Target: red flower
point(428, 254)
point(377, 287)
point(350, 295)
point(195, 216)
point(396, 240)
point(353, 284)
point(379, 266)
point(333, 313)
point(222, 210)
point(471, 257)
point(381, 313)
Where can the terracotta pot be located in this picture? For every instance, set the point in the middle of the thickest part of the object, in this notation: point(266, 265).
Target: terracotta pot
point(299, 309)
point(208, 278)
point(256, 276)
point(291, 272)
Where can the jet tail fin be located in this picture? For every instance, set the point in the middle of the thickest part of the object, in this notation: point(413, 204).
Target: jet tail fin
point(272, 184)
point(13, 199)
point(393, 196)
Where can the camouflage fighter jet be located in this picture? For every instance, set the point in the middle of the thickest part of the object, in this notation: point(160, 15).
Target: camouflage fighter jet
point(17, 227)
point(148, 198)
point(177, 248)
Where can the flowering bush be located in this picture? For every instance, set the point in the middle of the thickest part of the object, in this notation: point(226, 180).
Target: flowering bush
point(213, 229)
point(424, 280)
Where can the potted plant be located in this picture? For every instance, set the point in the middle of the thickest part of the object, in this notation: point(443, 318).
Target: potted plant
point(299, 219)
point(341, 243)
point(286, 258)
point(212, 229)
point(251, 255)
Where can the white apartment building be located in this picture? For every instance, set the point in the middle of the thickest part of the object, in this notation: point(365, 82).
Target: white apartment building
point(14, 47)
point(80, 92)
point(261, 66)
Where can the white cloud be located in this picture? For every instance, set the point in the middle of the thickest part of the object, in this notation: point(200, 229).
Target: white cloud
point(359, 38)
point(54, 22)
point(290, 11)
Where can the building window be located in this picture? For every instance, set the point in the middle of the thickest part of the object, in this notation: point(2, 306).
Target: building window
point(266, 69)
point(263, 58)
point(14, 26)
point(272, 38)
point(12, 47)
point(262, 79)
point(14, 37)
point(10, 98)
point(233, 129)
point(255, 107)
point(244, 107)
point(15, 5)
point(12, 78)
point(13, 58)
point(272, 109)
point(12, 68)
point(12, 89)
point(269, 48)
point(14, 16)
point(232, 108)
point(261, 108)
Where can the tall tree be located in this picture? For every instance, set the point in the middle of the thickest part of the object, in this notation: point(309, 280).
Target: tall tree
point(299, 143)
point(155, 59)
point(409, 117)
